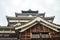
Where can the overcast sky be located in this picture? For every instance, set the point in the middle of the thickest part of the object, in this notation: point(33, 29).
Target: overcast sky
point(9, 7)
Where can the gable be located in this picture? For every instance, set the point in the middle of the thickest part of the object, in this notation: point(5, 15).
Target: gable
point(35, 21)
point(39, 28)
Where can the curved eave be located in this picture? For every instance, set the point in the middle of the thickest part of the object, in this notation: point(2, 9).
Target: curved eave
point(17, 18)
point(53, 27)
point(49, 18)
point(27, 14)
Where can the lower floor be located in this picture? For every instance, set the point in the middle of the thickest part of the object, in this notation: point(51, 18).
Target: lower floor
point(7, 38)
point(47, 39)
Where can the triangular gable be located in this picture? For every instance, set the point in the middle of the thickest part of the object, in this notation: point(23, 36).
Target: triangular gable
point(33, 22)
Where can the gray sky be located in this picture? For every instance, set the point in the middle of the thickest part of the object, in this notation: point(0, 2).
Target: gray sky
point(9, 7)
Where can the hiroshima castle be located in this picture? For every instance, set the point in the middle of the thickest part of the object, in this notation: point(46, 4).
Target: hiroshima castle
point(30, 25)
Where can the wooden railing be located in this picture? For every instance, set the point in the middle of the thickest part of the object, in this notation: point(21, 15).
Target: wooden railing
point(7, 31)
point(8, 38)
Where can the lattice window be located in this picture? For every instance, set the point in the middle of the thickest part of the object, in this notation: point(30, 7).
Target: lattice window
point(45, 35)
point(6, 35)
point(1, 34)
point(35, 35)
point(40, 35)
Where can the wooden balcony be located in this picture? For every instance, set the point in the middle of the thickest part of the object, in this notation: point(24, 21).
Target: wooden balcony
point(7, 31)
point(8, 38)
